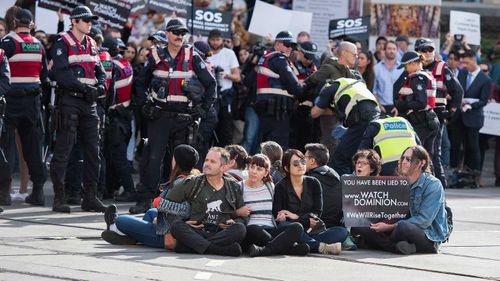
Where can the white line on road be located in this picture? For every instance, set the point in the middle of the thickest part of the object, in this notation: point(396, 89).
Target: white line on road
point(214, 263)
point(203, 276)
point(485, 207)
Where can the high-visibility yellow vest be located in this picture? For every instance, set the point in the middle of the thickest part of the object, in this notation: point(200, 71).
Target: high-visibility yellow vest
point(356, 90)
point(395, 135)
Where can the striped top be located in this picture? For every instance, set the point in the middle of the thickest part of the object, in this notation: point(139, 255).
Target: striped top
point(260, 201)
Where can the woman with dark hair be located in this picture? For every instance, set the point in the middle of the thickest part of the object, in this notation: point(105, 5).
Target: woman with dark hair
point(130, 52)
point(298, 198)
point(365, 67)
point(264, 237)
point(366, 163)
point(152, 229)
point(274, 152)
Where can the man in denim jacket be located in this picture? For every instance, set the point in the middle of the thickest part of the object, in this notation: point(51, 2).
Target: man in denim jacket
point(427, 226)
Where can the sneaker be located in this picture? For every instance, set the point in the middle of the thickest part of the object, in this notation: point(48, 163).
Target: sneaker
point(405, 248)
point(110, 215)
point(348, 244)
point(298, 249)
point(330, 249)
point(116, 239)
point(257, 251)
point(17, 196)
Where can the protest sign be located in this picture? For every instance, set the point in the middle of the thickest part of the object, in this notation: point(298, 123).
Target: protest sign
point(66, 5)
point(139, 6)
point(208, 19)
point(113, 13)
point(468, 24)
point(42, 23)
point(491, 119)
point(269, 19)
point(179, 7)
point(367, 200)
point(356, 28)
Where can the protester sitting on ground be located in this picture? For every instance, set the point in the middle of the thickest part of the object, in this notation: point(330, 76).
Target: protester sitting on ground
point(212, 227)
point(264, 237)
point(152, 228)
point(238, 162)
point(366, 163)
point(427, 226)
point(275, 153)
point(298, 198)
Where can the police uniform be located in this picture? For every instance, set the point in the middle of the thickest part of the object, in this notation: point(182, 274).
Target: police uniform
point(168, 109)
point(277, 88)
point(5, 174)
point(449, 95)
point(28, 70)
point(389, 137)
point(356, 106)
point(416, 100)
point(81, 80)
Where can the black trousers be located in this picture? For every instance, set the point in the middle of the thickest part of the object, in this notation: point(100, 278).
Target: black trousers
point(225, 125)
point(304, 129)
point(205, 135)
point(22, 113)
point(342, 159)
point(436, 156)
point(469, 138)
point(427, 137)
point(386, 241)
point(192, 240)
point(74, 171)
point(272, 129)
point(77, 118)
point(278, 239)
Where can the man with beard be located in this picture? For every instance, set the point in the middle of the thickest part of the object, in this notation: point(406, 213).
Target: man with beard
point(426, 227)
point(225, 60)
point(386, 73)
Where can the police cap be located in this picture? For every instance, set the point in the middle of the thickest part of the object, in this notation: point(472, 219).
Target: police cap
point(158, 36)
point(82, 12)
point(285, 36)
point(309, 49)
point(111, 43)
point(176, 24)
point(408, 57)
point(424, 42)
point(202, 48)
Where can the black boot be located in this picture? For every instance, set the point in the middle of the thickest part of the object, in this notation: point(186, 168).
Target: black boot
point(257, 251)
point(233, 250)
point(90, 201)
point(59, 204)
point(140, 207)
point(36, 197)
point(5, 198)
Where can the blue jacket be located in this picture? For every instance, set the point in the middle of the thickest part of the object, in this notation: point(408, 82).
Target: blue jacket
point(427, 207)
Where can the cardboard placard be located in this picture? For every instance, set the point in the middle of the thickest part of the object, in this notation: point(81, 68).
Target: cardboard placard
point(180, 7)
point(113, 13)
point(66, 5)
point(491, 119)
point(468, 24)
point(207, 19)
point(357, 28)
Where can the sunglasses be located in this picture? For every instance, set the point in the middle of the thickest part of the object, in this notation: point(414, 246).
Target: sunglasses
point(179, 32)
point(406, 158)
point(297, 163)
point(426, 50)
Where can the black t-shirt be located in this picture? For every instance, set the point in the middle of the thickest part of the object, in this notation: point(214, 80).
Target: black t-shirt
point(216, 206)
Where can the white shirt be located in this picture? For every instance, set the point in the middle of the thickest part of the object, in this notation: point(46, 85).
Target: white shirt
point(226, 59)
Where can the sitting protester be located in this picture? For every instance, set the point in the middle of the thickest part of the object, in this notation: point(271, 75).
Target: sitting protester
point(264, 237)
point(298, 198)
point(274, 152)
point(212, 228)
point(152, 228)
point(237, 163)
point(426, 227)
point(366, 163)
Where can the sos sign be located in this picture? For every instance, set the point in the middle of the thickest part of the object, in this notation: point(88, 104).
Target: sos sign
point(208, 16)
point(348, 23)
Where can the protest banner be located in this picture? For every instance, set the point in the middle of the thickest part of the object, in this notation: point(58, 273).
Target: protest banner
point(491, 119)
point(139, 6)
point(41, 16)
point(355, 28)
point(179, 7)
point(211, 15)
point(468, 24)
point(66, 5)
point(268, 19)
point(367, 200)
point(113, 13)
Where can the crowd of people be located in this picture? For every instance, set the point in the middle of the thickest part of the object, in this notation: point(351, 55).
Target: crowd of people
point(274, 124)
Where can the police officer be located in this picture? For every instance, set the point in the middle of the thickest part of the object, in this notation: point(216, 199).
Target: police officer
point(277, 89)
point(159, 39)
point(356, 107)
point(449, 95)
point(81, 80)
point(304, 129)
point(416, 99)
point(28, 66)
point(119, 128)
point(5, 175)
point(390, 137)
point(167, 74)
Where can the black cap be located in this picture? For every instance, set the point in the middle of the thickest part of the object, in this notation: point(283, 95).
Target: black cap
point(403, 38)
point(82, 12)
point(408, 57)
point(176, 24)
point(94, 31)
point(285, 36)
point(158, 36)
point(215, 33)
point(111, 43)
point(24, 16)
point(202, 48)
point(185, 157)
point(309, 49)
point(424, 42)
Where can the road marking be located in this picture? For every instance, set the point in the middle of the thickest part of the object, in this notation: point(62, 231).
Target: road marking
point(203, 276)
point(485, 207)
point(214, 263)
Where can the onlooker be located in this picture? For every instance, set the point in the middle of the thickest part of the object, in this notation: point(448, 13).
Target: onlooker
point(238, 157)
point(275, 153)
point(131, 52)
point(298, 198)
point(366, 65)
point(303, 36)
point(427, 226)
point(403, 43)
point(386, 73)
point(379, 53)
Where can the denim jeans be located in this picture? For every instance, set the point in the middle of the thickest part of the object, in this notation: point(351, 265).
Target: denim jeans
point(250, 135)
point(143, 231)
point(331, 235)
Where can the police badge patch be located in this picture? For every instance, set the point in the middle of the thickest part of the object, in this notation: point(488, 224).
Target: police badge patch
point(419, 87)
point(58, 52)
point(202, 65)
point(448, 77)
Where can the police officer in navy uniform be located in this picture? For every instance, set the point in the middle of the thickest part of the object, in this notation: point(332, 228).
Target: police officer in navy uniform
point(28, 70)
point(81, 80)
point(5, 173)
point(167, 75)
point(356, 107)
point(449, 95)
point(277, 89)
point(416, 99)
